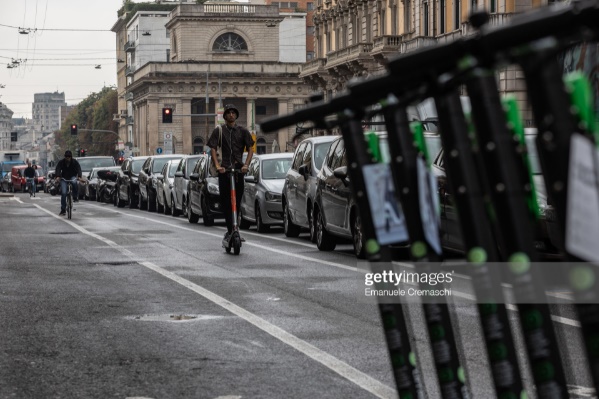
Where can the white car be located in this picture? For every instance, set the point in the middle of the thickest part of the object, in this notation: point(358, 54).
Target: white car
point(165, 187)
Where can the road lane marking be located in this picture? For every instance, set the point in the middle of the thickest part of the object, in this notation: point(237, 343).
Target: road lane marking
point(346, 371)
point(557, 319)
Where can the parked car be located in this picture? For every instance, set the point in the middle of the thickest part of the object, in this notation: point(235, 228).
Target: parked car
point(451, 238)
point(6, 166)
point(261, 200)
point(5, 184)
point(19, 182)
point(180, 196)
point(204, 194)
point(147, 179)
point(87, 164)
point(90, 185)
point(166, 182)
point(127, 184)
point(300, 185)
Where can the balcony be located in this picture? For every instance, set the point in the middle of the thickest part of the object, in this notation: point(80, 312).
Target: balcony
point(384, 47)
point(350, 61)
point(499, 19)
point(313, 66)
point(129, 96)
point(417, 43)
point(130, 70)
point(130, 46)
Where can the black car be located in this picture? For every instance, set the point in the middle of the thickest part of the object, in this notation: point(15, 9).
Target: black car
point(204, 194)
point(148, 179)
point(127, 185)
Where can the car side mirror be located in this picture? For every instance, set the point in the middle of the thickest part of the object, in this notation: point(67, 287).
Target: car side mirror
point(179, 174)
point(194, 176)
point(341, 174)
point(159, 176)
point(250, 179)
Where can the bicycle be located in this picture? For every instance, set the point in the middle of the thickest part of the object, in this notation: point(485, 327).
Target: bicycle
point(234, 241)
point(32, 186)
point(69, 207)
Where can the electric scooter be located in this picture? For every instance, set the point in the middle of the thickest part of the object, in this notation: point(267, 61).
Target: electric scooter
point(234, 241)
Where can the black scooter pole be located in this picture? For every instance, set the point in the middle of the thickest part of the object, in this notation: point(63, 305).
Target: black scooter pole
point(405, 176)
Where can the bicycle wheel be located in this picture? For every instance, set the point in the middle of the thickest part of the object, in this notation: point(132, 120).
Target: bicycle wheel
point(69, 205)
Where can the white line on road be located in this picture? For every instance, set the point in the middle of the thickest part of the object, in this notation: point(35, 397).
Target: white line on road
point(352, 374)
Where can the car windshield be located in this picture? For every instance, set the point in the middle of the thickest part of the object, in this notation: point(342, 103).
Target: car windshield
point(6, 167)
point(93, 174)
point(89, 164)
point(159, 164)
point(275, 168)
point(320, 151)
point(136, 165)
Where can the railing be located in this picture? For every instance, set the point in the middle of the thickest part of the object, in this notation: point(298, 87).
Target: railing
point(386, 41)
point(417, 43)
point(197, 10)
point(499, 19)
point(314, 64)
point(450, 36)
point(349, 52)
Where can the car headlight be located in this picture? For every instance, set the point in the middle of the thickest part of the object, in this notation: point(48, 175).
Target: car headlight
point(213, 189)
point(273, 197)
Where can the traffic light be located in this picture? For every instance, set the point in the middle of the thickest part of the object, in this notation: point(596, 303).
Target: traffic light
point(167, 115)
point(82, 152)
point(73, 130)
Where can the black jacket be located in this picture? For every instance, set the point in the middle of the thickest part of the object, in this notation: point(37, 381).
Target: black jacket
point(73, 169)
point(30, 172)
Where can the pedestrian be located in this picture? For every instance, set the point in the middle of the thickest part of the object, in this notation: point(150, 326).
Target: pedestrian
point(69, 170)
point(233, 139)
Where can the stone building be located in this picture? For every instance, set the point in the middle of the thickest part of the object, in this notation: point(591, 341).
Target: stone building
point(6, 126)
point(220, 53)
point(46, 111)
point(356, 38)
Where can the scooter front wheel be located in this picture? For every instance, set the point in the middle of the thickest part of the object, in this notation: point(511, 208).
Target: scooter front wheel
point(236, 244)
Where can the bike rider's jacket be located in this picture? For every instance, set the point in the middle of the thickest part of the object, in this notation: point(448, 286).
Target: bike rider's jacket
point(68, 170)
point(29, 172)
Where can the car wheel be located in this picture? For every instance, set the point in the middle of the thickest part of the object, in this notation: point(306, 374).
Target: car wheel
point(243, 223)
point(174, 211)
point(324, 241)
point(358, 237)
point(191, 216)
point(260, 226)
point(311, 225)
point(131, 200)
point(291, 230)
point(151, 201)
point(206, 217)
point(166, 208)
point(143, 205)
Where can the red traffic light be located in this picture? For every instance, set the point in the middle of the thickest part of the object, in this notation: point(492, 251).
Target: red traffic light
point(167, 115)
point(167, 111)
point(73, 130)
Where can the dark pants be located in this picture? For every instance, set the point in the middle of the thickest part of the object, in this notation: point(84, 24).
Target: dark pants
point(224, 187)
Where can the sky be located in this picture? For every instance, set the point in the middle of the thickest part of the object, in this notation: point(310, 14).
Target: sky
point(72, 37)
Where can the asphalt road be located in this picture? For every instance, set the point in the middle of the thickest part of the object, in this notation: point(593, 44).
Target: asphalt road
point(130, 304)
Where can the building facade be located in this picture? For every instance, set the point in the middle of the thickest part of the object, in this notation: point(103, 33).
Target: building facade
point(356, 38)
point(6, 126)
point(46, 111)
point(225, 53)
point(302, 6)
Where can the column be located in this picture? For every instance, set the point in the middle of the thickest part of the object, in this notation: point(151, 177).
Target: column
point(154, 128)
point(251, 114)
point(283, 136)
point(185, 121)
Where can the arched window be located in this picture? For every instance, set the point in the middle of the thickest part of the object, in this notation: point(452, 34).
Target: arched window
point(230, 42)
point(261, 146)
point(198, 145)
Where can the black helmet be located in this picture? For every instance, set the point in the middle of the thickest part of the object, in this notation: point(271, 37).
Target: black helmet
point(68, 153)
point(229, 107)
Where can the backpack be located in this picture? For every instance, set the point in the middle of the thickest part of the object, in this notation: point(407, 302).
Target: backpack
point(219, 153)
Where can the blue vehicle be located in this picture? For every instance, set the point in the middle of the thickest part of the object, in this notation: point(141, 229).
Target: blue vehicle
point(8, 159)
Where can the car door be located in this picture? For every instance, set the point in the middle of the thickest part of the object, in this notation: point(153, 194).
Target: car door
point(303, 186)
point(178, 187)
point(143, 178)
point(322, 191)
point(340, 192)
point(122, 180)
point(250, 189)
point(292, 179)
point(194, 186)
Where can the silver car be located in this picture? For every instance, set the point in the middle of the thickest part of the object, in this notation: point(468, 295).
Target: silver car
point(165, 186)
point(262, 194)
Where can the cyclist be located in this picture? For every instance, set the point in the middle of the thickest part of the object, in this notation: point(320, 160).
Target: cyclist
point(30, 174)
point(68, 169)
point(234, 139)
